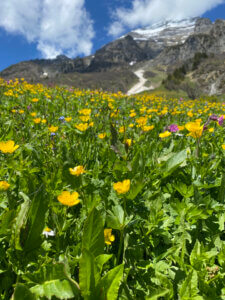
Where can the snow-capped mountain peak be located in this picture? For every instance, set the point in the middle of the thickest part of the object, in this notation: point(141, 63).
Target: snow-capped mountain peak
point(167, 32)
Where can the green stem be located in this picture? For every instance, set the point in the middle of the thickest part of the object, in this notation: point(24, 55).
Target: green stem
point(120, 246)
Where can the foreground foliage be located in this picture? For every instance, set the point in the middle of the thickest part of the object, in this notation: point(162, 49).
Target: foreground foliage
point(108, 197)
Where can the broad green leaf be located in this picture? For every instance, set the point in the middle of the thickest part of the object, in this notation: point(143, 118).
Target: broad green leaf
point(93, 233)
point(110, 283)
point(158, 294)
point(101, 260)
point(189, 288)
point(62, 289)
point(195, 256)
point(22, 293)
point(174, 162)
point(6, 221)
point(36, 221)
point(221, 196)
point(221, 221)
point(115, 218)
point(21, 220)
point(136, 187)
point(87, 274)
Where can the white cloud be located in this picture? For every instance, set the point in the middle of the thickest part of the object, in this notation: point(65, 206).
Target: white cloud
point(57, 26)
point(147, 12)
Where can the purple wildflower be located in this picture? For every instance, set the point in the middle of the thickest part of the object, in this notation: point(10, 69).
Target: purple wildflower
point(213, 117)
point(220, 120)
point(173, 128)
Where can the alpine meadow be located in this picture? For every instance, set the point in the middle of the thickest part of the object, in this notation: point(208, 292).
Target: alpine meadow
point(105, 196)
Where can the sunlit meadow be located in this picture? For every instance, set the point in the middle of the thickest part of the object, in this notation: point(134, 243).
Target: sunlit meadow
point(104, 196)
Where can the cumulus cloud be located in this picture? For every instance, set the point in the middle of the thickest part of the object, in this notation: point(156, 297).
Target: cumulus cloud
point(147, 12)
point(57, 26)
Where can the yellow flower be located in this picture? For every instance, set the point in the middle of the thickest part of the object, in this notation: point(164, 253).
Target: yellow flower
point(165, 134)
point(181, 128)
point(122, 187)
point(78, 170)
point(102, 135)
point(37, 120)
point(147, 128)
point(211, 129)
point(4, 185)
point(69, 199)
point(109, 237)
point(84, 118)
point(8, 147)
point(142, 121)
point(133, 114)
point(128, 142)
point(13, 111)
point(44, 121)
point(21, 111)
point(122, 129)
point(35, 100)
point(82, 126)
point(68, 119)
point(85, 111)
point(223, 146)
point(195, 129)
point(33, 114)
point(131, 125)
point(53, 128)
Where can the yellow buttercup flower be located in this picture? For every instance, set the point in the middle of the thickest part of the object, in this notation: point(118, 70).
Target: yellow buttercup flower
point(102, 135)
point(211, 129)
point(4, 185)
point(85, 111)
point(68, 119)
point(21, 111)
point(84, 118)
point(44, 121)
point(122, 129)
point(147, 128)
point(69, 199)
point(8, 147)
point(53, 128)
point(37, 120)
point(195, 129)
point(78, 170)
point(142, 121)
point(109, 237)
point(35, 100)
point(33, 114)
point(223, 146)
point(128, 142)
point(122, 187)
point(165, 134)
point(82, 126)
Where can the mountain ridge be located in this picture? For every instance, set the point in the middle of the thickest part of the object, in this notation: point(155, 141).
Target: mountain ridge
point(159, 48)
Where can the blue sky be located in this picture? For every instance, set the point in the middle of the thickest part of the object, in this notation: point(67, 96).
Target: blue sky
point(80, 27)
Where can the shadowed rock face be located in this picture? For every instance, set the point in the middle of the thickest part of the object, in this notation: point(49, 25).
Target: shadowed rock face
point(119, 52)
point(167, 44)
point(211, 41)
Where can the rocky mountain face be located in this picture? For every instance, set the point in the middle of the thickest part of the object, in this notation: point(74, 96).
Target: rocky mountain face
point(163, 46)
